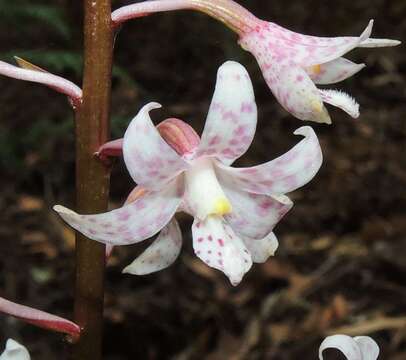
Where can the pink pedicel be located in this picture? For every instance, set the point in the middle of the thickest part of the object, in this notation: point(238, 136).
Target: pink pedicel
point(173, 167)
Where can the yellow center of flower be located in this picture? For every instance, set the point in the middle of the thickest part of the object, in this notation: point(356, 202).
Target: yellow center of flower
point(222, 207)
point(204, 193)
point(316, 69)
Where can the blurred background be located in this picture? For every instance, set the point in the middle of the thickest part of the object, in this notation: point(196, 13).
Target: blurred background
point(341, 264)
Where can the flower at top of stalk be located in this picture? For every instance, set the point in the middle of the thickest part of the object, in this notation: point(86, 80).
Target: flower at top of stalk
point(234, 209)
point(14, 351)
point(291, 63)
point(353, 348)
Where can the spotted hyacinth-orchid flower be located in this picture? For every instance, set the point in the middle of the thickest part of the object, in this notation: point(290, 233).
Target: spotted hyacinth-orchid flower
point(234, 209)
point(292, 63)
point(14, 351)
point(353, 348)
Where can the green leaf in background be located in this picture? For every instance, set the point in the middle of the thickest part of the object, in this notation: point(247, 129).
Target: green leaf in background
point(49, 14)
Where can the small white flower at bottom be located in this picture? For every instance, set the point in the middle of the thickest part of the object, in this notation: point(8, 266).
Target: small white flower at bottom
point(14, 351)
point(353, 348)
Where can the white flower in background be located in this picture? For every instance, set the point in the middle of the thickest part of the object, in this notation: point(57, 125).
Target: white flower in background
point(353, 348)
point(14, 351)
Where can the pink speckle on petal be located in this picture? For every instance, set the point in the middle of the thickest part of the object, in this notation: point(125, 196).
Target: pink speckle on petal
point(240, 130)
point(214, 140)
point(139, 205)
point(123, 216)
point(200, 239)
point(249, 171)
point(122, 228)
point(210, 238)
point(247, 108)
point(221, 242)
point(228, 152)
point(229, 115)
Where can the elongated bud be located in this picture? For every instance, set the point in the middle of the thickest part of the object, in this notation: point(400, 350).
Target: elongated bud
point(30, 72)
point(40, 318)
point(179, 135)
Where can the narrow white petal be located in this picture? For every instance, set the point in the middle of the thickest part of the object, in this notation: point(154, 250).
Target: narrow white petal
point(151, 162)
point(333, 71)
point(254, 215)
point(372, 43)
point(286, 173)
point(341, 100)
point(162, 253)
point(232, 118)
point(131, 223)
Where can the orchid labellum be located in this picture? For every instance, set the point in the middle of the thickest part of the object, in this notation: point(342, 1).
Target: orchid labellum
point(235, 209)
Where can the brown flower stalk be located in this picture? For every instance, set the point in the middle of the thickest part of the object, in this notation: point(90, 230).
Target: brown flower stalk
point(92, 177)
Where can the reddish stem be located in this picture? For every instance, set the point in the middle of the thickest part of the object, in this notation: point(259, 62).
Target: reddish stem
point(92, 177)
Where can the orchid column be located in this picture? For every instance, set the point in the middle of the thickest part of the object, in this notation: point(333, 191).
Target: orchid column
point(92, 177)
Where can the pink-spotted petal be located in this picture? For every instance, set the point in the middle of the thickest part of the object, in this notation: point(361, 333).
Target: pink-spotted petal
point(14, 351)
point(333, 71)
point(216, 244)
point(303, 39)
point(282, 175)
point(254, 215)
point(262, 249)
point(39, 318)
point(336, 48)
point(162, 253)
point(131, 223)
point(295, 91)
point(151, 162)
point(232, 118)
point(369, 348)
point(346, 344)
